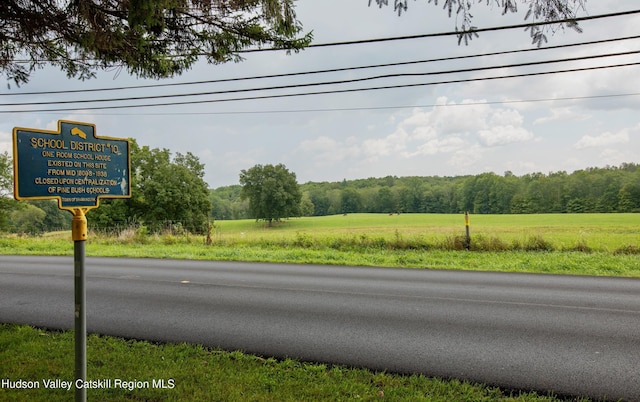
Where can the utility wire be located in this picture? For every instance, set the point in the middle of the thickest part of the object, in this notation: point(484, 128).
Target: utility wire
point(344, 69)
point(351, 109)
point(601, 41)
point(432, 35)
point(326, 92)
point(473, 30)
point(314, 84)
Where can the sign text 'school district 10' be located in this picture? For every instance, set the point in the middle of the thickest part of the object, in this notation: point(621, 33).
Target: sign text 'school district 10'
point(72, 165)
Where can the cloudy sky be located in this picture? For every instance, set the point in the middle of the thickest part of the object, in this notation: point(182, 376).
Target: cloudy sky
point(531, 123)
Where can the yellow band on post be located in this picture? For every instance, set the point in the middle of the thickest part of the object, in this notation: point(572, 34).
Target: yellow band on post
point(79, 231)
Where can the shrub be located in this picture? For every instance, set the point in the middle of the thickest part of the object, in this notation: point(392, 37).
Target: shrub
point(169, 239)
point(142, 234)
point(303, 240)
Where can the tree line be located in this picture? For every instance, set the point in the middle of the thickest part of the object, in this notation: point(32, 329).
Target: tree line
point(592, 190)
point(169, 193)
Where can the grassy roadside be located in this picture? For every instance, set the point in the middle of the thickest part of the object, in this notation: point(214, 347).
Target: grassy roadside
point(351, 251)
point(201, 374)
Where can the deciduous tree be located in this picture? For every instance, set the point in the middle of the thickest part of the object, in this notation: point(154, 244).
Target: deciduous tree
point(351, 201)
point(609, 189)
point(630, 197)
point(28, 219)
point(273, 192)
point(165, 191)
point(55, 218)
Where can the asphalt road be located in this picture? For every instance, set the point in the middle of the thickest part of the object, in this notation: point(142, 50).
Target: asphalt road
point(566, 334)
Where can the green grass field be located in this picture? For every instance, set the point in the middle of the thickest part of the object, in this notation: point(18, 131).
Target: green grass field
point(601, 232)
point(577, 244)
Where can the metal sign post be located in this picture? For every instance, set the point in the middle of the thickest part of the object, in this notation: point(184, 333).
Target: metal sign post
point(77, 168)
point(79, 233)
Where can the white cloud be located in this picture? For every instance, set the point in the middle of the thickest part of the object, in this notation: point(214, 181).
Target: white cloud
point(504, 135)
point(454, 118)
point(450, 127)
point(603, 140)
point(441, 145)
point(506, 117)
point(392, 143)
point(562, 114)
point(505, 127)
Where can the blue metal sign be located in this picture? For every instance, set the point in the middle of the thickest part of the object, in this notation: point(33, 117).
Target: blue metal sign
point(72, 165)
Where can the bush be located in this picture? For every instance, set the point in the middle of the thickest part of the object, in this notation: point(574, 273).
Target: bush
point(169, 239)
point(142, 234)
point(303, 240)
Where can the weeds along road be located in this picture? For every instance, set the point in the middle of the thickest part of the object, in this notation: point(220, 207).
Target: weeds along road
point(570, 335)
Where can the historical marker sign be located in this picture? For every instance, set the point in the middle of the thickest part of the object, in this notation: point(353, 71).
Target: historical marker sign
point(76, 167)
point(72, 165)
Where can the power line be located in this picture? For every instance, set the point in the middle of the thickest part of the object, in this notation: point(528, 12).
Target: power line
point(314, 84)
point(407, 37)
point(336, 82)
point(459, 33)
point(397, 64)
point(347, 109)
point(327, 92)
